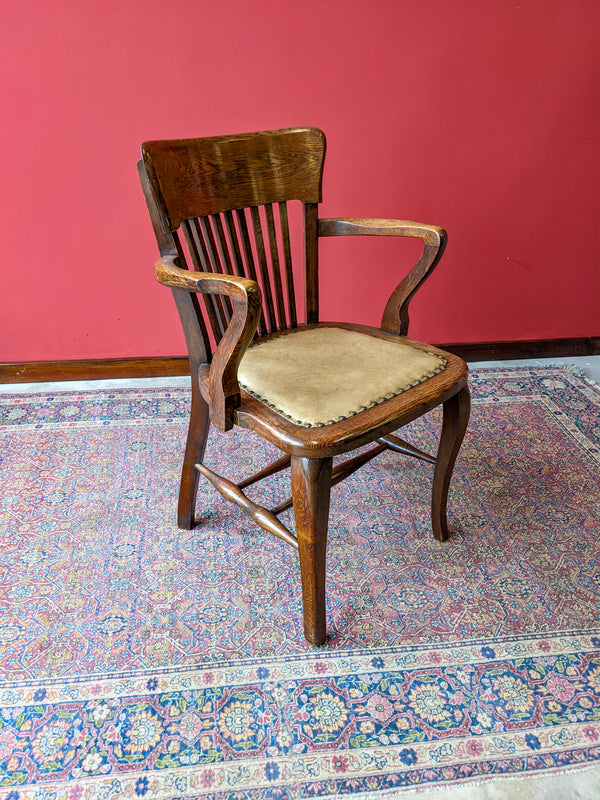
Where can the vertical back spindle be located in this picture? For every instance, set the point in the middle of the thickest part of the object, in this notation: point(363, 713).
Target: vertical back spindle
point(276, 269)
point(201, 263)
point(311, 262)
point(264, 270)
point(215, 262)
point(250, 266)
point(191, 314)
point(234, 243)
point(287, 255)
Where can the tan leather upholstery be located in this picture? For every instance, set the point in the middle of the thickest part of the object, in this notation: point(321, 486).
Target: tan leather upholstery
point(317, 377)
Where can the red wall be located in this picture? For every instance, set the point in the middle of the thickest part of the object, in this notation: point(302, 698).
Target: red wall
point(482, 117)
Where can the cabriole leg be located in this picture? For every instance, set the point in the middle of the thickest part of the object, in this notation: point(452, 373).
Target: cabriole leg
point(194, 453)
point(456, 418)
point(311, 486)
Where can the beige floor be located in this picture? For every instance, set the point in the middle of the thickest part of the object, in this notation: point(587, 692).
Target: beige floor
point(576, 784)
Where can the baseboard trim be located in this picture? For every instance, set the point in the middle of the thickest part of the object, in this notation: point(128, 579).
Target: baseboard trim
point(97, 369)
point(534, 348)
point(169, 366)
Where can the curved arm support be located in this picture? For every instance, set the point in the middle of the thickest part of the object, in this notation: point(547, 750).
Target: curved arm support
point(395, 316)
point(221, 385)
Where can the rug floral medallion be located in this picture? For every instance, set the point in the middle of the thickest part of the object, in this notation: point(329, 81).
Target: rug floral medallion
point(141, 661)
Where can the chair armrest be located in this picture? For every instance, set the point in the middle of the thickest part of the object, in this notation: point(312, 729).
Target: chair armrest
point(395, 316)
point(221, 385)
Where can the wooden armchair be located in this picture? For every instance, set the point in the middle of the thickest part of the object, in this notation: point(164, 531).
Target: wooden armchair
point(219, 208)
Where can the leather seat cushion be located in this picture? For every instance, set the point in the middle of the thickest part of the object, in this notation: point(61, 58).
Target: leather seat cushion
point(319, 376)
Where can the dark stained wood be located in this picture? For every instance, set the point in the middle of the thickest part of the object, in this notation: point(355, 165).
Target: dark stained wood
point(201, 262)
point(200, 185)
point(456, 419)
point(236, 251)
point(218, 265)
point(95, 369)
point(311, 484)
point(192, 320)
point(400, 446)
point(277, 283)
point(224, 258)
point(265, 282)
point(523, 348)
point(276, 466)
point(197, 177)
point(339, 473)
point(282, 506)
point(311, 262)
point(431, 235)
point(262, 516)
point(395, 316)
point(221, 388)
point(349, 467)
point(165, 240)
point(194, 453)
point(249, 257)
point(287, 256)
point(205, 234)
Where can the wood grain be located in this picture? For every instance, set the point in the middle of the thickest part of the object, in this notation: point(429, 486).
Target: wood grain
point(262, 516)
point(311, 485)
point(222, 387)
point(456, 419)
point(395, 315)
point(222, 192)
point(197, 177)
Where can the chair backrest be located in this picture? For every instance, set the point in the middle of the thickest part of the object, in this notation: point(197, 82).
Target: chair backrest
point(229, 196)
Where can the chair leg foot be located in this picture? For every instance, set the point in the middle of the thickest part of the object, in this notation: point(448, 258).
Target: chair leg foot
point(194, 453)
point(311, 486)
point(456, 418)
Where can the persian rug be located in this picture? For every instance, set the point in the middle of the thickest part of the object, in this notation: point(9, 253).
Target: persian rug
point(139, 660)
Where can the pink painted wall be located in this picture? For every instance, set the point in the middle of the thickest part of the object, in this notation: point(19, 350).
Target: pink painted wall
point(479, 116)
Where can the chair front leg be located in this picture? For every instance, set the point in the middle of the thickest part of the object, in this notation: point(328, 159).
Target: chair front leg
point(456, 418)
point(311, 487)
point(194, 453)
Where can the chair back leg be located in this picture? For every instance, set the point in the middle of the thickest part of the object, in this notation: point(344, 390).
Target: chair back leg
point(194, 454)
point(456, 418)
point(311, 487)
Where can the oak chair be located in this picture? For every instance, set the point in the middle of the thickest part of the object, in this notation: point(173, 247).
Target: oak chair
point(219, 208)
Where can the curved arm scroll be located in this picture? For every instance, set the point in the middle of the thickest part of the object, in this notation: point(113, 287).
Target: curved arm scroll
point(395, 316)
point(221, 384)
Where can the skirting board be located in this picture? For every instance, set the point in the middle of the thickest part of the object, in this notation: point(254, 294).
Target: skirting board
point(167, 366)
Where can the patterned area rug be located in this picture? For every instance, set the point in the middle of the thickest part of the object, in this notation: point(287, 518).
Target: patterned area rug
point(138, 660)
